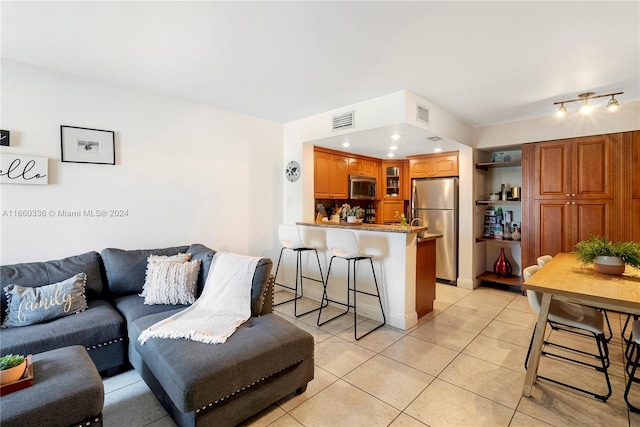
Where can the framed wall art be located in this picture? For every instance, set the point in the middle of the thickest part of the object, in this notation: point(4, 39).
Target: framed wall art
point(4, 137)
point(83, 145)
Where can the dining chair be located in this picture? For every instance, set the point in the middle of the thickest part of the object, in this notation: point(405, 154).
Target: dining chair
point(543, 260)
point(576, 319)
point(633, 359)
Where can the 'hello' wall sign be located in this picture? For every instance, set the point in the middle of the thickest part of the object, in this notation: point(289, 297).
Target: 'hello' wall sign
point(17, 169)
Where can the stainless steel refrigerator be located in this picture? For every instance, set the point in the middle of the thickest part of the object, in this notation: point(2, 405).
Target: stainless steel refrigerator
point(435, 202)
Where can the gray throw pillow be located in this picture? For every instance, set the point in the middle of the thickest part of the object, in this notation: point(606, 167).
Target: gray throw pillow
point(26, 306)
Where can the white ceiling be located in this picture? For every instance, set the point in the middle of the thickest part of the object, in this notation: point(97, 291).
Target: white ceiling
point(483, 62)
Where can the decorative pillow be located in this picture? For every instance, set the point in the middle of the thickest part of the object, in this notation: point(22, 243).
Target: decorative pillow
point(170, 280)
point(26, 306)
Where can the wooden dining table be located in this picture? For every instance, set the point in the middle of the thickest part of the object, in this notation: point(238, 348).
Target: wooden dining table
point(566, 278)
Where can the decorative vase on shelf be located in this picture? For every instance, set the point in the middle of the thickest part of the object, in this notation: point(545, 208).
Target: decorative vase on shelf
point(516, 233)
point(351, 218)
point(502, 266)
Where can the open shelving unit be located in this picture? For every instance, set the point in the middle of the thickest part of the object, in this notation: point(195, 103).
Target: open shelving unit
point(492, 180)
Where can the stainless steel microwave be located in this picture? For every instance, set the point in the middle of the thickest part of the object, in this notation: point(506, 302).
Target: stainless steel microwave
point(362, 187)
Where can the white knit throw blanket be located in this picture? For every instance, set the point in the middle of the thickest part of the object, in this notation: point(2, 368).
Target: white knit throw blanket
point(224, 305)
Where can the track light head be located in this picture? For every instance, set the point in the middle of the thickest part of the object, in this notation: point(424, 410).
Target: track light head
point(612, 105)
point(561, 111)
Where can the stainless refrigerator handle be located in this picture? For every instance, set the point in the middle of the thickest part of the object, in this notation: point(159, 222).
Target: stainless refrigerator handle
point(413, 198)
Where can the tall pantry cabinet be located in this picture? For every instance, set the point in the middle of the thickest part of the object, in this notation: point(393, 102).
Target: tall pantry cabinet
point(574, 188)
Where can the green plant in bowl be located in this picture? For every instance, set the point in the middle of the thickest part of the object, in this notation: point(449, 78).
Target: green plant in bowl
point(601, 250)
point(11, 368)
point(10, 360)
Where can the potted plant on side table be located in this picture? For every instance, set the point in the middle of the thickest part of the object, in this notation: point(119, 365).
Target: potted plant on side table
point(608, 257)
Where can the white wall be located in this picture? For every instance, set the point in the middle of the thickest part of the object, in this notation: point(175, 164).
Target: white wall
point(185, 172)
point(573, 125)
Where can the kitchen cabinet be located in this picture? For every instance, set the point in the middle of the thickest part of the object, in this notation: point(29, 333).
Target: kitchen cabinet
point(577, 187)
point(389, 209)
point(363, 167)
point(560, 224)
point(425, 276)
point(576, 168)
point(407, 186)
point(433, 166)
point(331, 175)
point(393, 180)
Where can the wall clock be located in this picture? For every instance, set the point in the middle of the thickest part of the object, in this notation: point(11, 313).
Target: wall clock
point(293, 171)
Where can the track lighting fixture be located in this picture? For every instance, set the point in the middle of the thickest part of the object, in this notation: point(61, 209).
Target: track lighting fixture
point(612, 105)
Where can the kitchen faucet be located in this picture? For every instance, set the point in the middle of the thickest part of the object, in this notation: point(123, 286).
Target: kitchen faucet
point(414, 220)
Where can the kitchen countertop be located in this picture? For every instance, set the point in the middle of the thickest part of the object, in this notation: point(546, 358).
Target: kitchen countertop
point(375, 227)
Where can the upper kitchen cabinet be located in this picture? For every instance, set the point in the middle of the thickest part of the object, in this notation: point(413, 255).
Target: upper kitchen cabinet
point(581, 168)
point(331, 175)
point(363, 167)
point(395, 180)
point(433, 165)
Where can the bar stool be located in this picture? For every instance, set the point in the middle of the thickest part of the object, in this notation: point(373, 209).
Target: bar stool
point(632, 363)
point(344, 244)
point(576, 319)
point(289, 237)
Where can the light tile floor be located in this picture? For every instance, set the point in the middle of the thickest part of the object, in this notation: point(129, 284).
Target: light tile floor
point(461, 366)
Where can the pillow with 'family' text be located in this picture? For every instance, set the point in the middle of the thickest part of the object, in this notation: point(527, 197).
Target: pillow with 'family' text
point(27, 306)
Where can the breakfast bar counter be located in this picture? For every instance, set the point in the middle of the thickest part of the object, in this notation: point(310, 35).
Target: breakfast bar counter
point(407, 229)
point(404, 262)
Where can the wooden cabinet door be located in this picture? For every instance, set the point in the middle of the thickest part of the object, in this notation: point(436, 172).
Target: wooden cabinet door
point(592, 167)
point(552, 170)
point(355, 166)
point(552, 222)
point(322, 175)
point(421, 168)
point(368, 168)
point(445, 166)
point(362, 167)
point(405, 182)
point(636, 165)
point(389, 209)
point(590, 217)
point(635, 220)
point(391, 180)
point(339, 177)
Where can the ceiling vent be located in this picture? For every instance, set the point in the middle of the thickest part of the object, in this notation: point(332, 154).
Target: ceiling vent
point(422, 114)
point(344, 121)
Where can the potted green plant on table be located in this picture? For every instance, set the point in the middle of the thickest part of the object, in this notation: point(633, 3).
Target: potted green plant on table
point(11, 368)
point(608, 257)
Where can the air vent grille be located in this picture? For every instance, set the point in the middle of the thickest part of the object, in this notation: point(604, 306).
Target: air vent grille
point(344, 121)
point(422, 114)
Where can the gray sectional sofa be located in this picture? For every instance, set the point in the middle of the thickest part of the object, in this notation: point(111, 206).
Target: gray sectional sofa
point(266, 359)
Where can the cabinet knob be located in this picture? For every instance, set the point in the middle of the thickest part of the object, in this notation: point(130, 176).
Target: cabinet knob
point(568, 194)
point(573, 195)
point(568, 203)
point(573, 203)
